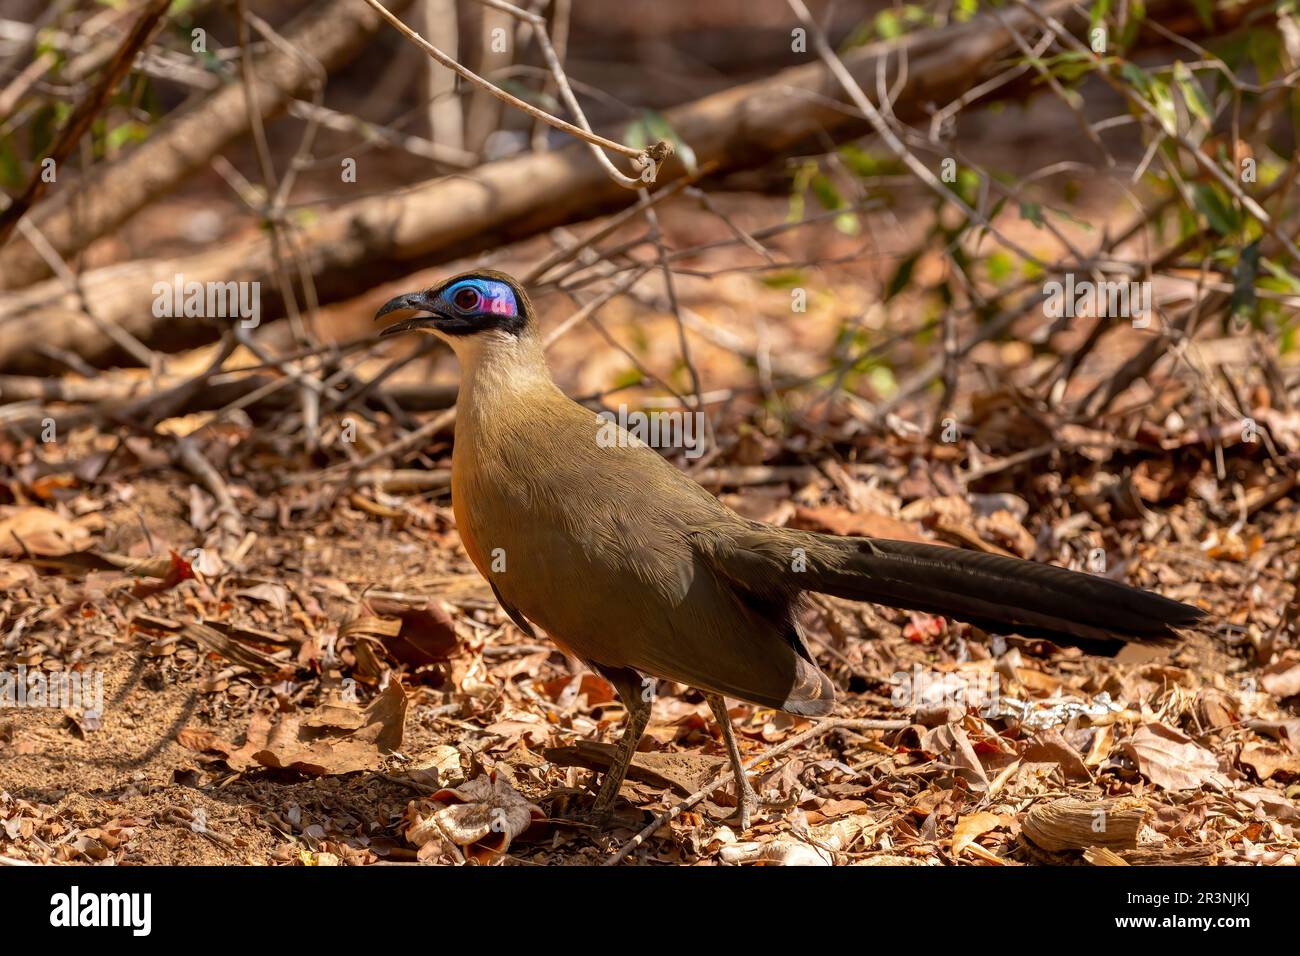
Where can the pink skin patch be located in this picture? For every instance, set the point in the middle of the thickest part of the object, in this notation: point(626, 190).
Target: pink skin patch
point(497, 298)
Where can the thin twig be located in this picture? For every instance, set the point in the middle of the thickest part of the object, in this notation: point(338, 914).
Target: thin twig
point(646, 160)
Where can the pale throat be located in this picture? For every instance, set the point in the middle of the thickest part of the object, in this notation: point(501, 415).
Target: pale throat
point(495, 365)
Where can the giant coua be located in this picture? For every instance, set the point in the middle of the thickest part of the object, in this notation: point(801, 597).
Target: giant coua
point(635, 569)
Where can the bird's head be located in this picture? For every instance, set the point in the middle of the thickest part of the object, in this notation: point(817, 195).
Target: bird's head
point(473, 305)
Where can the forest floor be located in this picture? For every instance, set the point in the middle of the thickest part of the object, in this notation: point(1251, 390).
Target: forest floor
point(354, 694)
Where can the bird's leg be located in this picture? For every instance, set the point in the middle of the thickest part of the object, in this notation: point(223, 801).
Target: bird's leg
point(746, 798)
point(637, 699)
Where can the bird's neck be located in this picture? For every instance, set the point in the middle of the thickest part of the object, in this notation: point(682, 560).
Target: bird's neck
point(498, 371)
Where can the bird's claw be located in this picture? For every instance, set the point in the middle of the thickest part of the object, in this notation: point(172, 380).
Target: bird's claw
point(747, 804)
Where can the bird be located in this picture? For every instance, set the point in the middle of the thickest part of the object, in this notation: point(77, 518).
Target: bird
point(632, 567)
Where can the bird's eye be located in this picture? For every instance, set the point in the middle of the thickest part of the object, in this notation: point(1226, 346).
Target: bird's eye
point(465, 299)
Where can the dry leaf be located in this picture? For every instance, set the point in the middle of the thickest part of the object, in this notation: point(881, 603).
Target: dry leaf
point(972, 826)
point(473, 823)
point(40, 532)
point(1269, 759)
point(203, 741)
point(1049, 745)
point(332, 739)
point(1282, 679)
point(1172, 760)
point(837, 520)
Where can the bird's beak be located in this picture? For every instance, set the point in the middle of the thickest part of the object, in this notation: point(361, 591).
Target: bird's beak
point(411, 300)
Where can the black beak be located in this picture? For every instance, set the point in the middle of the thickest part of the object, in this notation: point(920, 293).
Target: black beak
point(411, 300)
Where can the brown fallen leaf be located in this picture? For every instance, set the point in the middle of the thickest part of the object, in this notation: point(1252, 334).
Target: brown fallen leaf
point(1269, 802)
point(954, 747)
point(472, 823)
point(685, 771)
point(203, 741)
point(332, 739)
point(565, 690)
point(837, 520)
point(1049, 745)
point(1284, 730)
point(1281, 679)
point(213, 640)
point(1171, 759)
point(1215, 709)
point(974, 825)
point(415, 636)
point(276, 595)
point(13, 574)
point(29, 530)
point(1268, 760)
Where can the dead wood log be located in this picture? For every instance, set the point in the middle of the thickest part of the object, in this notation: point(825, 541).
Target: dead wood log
point(380, 238)
point(26, 401)
point(111, 193)
point(1072, 824)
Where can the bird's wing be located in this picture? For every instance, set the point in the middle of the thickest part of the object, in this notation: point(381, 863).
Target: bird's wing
point(513, 612)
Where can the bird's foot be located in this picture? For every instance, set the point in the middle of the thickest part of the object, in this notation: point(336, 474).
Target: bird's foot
point(747, 804)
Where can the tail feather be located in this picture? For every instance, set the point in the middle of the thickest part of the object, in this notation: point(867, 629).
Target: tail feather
point(996, 593)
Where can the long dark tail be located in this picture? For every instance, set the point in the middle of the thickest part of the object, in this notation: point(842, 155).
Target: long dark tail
point(998, 594)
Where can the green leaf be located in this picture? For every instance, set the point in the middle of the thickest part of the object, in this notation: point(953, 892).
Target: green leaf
point(826, 193)
point(1265, 46)
point(1136, 77)
point(1162, 98)
point(1068, 66)
point(1205, 12)
point(1033, 212)
point(803, 177)
point(967, 186)
point(1193, 95)
point(11, 170)
point(1218, 211)
point(1244, 301)
point(1283, 281)
point(1000, 266)
point(784, 279)
point(1137, 12)
point(128, 132)
point(882, 381)
point(1098, 13)
point(626, 379)
point(867, 164)
point(902, 275)
point(888, 25)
